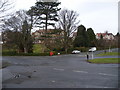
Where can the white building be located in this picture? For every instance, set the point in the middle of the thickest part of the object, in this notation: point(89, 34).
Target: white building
point(107, 36)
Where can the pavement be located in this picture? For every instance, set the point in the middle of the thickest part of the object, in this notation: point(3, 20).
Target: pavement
point(62, 71)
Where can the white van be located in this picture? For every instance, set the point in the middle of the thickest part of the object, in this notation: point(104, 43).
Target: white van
point(92, 49)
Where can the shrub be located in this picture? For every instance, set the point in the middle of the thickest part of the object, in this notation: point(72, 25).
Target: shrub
point(70, 50)
point(9, 53)
point(82, 49)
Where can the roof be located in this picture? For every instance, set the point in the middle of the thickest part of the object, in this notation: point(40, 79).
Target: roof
point(103, 34)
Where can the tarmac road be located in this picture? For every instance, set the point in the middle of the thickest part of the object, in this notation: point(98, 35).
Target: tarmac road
point(64, 71)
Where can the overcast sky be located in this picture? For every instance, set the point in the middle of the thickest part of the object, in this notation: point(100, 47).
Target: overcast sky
point(101, 15)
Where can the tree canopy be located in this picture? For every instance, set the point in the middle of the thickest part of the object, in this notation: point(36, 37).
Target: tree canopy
point(81, 40)
point(68, 23)
point(91, 36)
point(45, 12)
point(17, 30)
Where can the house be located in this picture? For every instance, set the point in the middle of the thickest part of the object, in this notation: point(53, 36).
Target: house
point(106, 36)
point(51, 34)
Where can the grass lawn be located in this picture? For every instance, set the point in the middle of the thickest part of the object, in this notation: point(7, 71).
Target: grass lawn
point(109, 54)
point(37, 48)
point(105, 61)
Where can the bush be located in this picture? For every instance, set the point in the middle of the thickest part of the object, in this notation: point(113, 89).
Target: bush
point(82, 49)
point(59, 49)
point(13, 53)
point(70, 50)
point(9, 53)
point(63, 52)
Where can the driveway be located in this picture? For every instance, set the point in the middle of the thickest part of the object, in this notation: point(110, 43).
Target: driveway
point(64, 71)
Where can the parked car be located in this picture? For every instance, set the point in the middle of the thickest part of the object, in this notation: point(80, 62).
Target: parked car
point(92, 49)
point(76, 51)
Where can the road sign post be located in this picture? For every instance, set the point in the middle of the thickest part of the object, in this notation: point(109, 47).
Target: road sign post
point(92, 55)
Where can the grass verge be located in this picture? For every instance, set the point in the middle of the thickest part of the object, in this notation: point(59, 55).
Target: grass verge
point(105, 61)
point(109, 54)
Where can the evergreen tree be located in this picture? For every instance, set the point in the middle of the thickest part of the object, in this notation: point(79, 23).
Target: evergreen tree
point(101, 37)
point(118, 34)
point(81, 39)
point(91, 36)
point(46, 11)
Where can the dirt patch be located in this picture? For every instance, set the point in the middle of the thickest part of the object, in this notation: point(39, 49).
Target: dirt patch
point(15, 80)
point(5, 64)
point(19, 78)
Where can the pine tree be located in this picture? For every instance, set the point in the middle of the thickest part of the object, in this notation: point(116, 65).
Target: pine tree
point(81, 39)
point(46, 14)
point(118, 34)
point(91, 36)
point(101, 37)
point(46, 11)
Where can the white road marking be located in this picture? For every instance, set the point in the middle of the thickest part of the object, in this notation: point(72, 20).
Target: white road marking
point(53, 81)
point(54, 56)
point(80, 71)
point(108, 87)
point(106, 74)
point(15, 63)
point(58, 69)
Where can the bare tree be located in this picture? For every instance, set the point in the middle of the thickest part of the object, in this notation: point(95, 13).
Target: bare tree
point(20, 25)
point(5, 8)
point(15, 21)
point(5, 5)
point(68, 23)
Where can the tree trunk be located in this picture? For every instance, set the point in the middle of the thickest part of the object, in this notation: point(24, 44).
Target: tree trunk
point(25, 50)
point(45, 41)
point(46, 23)
point(66, 50)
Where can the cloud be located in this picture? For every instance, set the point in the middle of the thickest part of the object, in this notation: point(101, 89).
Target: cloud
point(97, 14)
point(24, 4)
point(99, 1)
